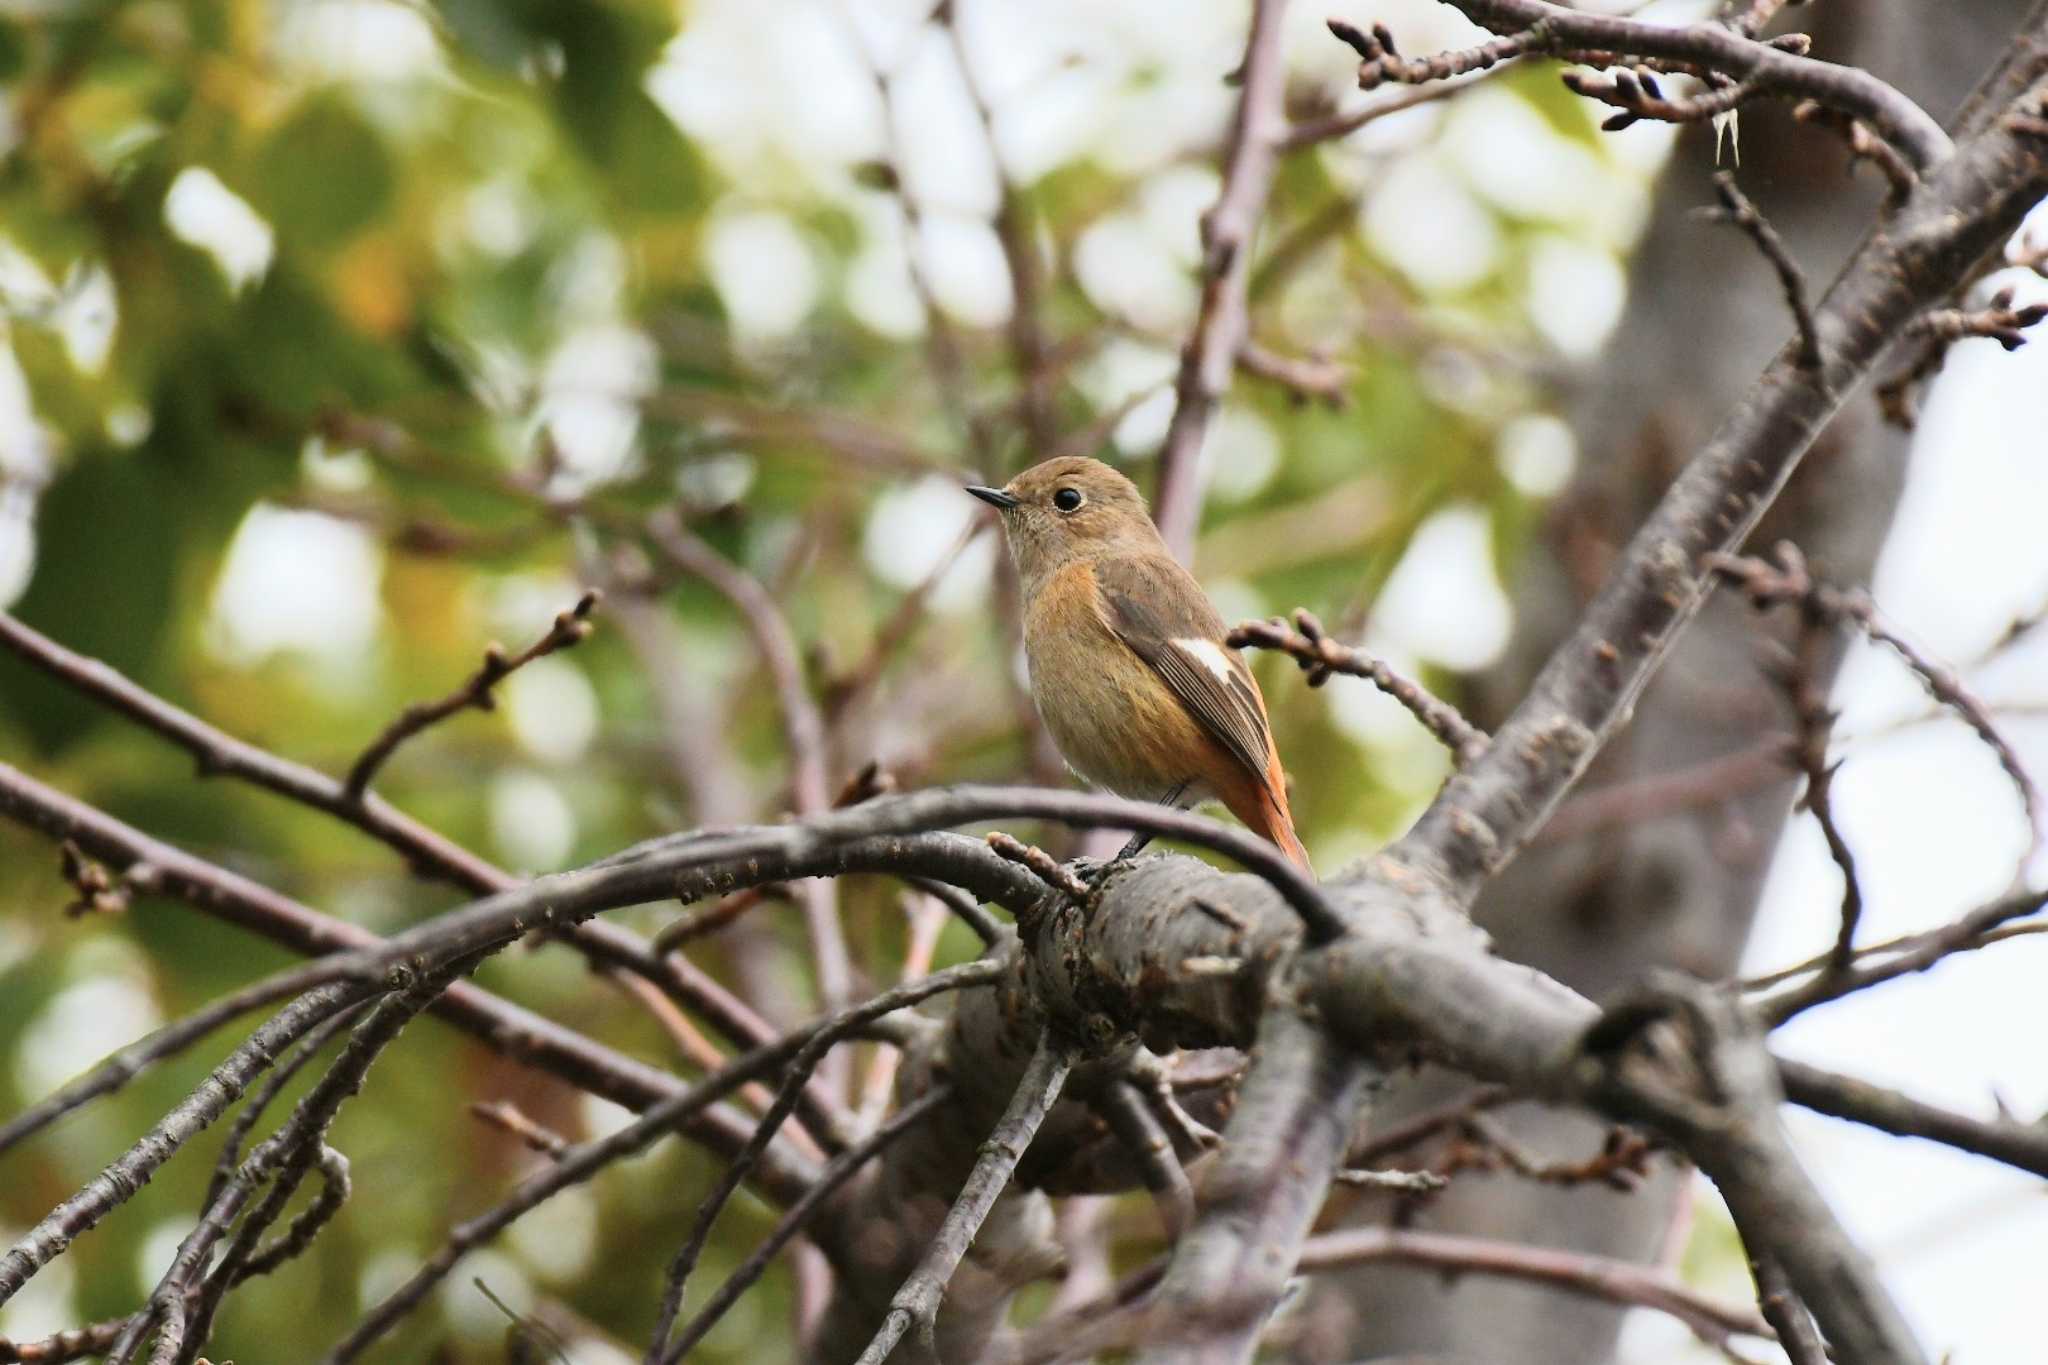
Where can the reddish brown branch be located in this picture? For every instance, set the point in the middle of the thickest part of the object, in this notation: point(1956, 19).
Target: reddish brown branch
point(1308, 379)
point(803, 726)
point(1796, 676)
point(1310, 132)
point(1998, 320)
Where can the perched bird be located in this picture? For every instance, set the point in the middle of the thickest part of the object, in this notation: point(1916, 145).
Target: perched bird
point(1128, 664)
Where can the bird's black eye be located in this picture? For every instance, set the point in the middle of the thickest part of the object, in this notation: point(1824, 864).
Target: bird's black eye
point(1067, 500)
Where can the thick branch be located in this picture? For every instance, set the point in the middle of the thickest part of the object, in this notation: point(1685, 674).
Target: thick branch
point(1285, 1141)
point(1960, 212)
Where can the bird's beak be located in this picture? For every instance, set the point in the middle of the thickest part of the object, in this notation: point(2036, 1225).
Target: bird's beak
point(994, 497)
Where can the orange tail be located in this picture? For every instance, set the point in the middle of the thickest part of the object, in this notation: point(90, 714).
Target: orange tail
point(1262, 806)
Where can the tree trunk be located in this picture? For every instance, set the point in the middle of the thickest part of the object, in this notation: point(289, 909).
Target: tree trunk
point(1598, 909)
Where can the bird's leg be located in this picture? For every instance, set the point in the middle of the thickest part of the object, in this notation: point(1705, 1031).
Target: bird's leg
point(1141, 838)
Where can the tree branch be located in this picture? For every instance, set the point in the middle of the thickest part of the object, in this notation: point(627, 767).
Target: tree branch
point(1964, 209)
point(1319, 655)
point(569, 630)
point(917, 1302)
point(519, 1033)
point(1775, 67)
point(426, 852)
point(1738, 210)
point(836, 1173)
point(1209, 357)
point(802, 723)
point(582, 1162)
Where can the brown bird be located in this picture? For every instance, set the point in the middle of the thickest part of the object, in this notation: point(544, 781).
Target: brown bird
point(1128, 662)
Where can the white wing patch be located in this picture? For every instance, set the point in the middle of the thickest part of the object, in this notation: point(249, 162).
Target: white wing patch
point(1209, 655)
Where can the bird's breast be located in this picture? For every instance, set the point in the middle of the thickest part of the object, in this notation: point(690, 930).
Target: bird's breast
point(1113, 718)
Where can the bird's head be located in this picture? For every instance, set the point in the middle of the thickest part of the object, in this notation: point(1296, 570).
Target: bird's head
point(1066, 509)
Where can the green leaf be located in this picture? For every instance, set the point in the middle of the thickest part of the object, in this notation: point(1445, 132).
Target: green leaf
point(324, 176)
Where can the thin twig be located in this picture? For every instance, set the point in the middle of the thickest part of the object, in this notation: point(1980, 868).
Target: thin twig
point(1814, 721)
point(836, 1173)
point(125, 1065)
point(1782, 1309)
point(281, 1159)
point(965, 907)
point(1375, 1146)
point(1307, 379)
point(1787, 580)
point(582, 1162)
point(802, 721)
point(570, 629)
point(1209, 357)
point(1999, 319)
point(1121, 1319)
point(944, 357)
point(1146, 1139)
point(925, 919)
point(1043, 865)
point(680, 930)
point(230, 1158)
point(510, 1118)
point(426, 852)
point(1637, 94)
point(917, 1302)
point(74, 1344)
point(1915, 953)
point(132, 1169)
point(1940, 328)
point(1713, 1320)
point(979, 972)
point(1864, 145)
point(2014, 1142)
point(1653, 796)
point(1330, 127)
point(1319, 655)
point(1380, 63)
point(1400, 1182)
point(1778, 66)
point(1737, 209)
point(528, 1038)
point(1014, 230)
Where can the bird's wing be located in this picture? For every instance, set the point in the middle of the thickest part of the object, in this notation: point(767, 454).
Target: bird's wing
point(1156, 608)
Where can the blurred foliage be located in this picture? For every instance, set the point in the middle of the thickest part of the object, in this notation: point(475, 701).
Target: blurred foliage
point(484, 330)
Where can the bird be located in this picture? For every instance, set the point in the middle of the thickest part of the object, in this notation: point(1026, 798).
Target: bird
point(1128, 660)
